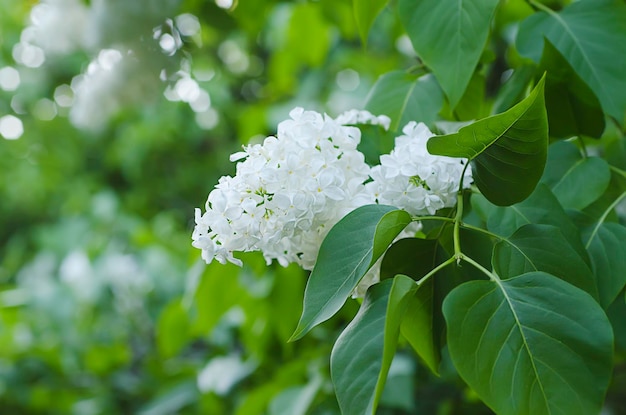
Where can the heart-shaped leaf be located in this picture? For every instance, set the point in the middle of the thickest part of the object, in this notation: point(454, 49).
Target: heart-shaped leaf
point(508, 151)
point(347, 253)
point(532, 344)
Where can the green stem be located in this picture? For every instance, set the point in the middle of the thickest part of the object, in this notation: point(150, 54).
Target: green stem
point(539, 6)
point(459, 216)
point(435, 270)
point(617, 170)
point(483, 231)
point(441, 218)
point(492, 276)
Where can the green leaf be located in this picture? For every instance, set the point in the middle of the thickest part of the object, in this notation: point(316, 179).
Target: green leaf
point(404, 97)
point(542, 248)
point(365, 12)
point(361, 357)
point(591, 36)
point(449, 37)
point(532, 344)
point(375, 141)
point(575, 181)
point(508, 151)
point(607, 250)
point(573, 109)
point(541, 207)
point(347, 253)
point(415, 258)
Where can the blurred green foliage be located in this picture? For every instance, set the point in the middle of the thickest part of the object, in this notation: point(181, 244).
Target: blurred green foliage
point(105, 308)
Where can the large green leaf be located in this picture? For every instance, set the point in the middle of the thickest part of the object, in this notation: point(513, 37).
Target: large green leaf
point(532, 344)
point(542, 248)
point(508, 150)
point(573, 109)
point(365, 12)
point(404, 97)
point(361, 357)
point(347, 253)
point(607, 250)
point(591, 36)
point(449, 37)
point(575, 181)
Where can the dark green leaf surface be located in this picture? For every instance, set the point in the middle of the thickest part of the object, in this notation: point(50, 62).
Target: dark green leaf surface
point(508, 151)
point(582, 32)
point(532, 344)
point(541, 207)
point(362, 355)
point(365, 12)
point(416, 257)
point(575, 181)
point(606, 244)
point(573, 109)
point(449, 37)
point(542, 248)
point(404, 97)
point(348, 251)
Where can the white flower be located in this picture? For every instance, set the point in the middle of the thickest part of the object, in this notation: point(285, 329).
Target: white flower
point(412, 179)
point(287, 192)
point(290, 190)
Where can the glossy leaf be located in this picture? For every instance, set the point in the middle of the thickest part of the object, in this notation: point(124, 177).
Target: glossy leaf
point(575, 181)
point(362, 355)
point(404, 97)
point(542, 248)
point(573, 109)
point(532, 344)
point(508, 150)
point(347, 253)
point(607, 250)
point(365, 12)
point(449, 37)
point(582, 32)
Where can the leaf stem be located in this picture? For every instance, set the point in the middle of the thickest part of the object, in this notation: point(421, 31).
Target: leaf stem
point(617, 170)
point(435, 270)
point(483, 231)
point(539, 6)
point(492, 276)
point(441, 218)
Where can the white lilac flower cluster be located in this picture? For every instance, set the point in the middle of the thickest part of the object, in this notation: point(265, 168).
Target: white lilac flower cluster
point(290, 190)
point(412, 179)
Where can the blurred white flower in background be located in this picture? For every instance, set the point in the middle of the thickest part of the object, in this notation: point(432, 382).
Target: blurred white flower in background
point(135, 47)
